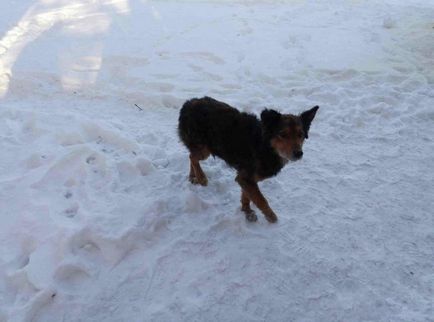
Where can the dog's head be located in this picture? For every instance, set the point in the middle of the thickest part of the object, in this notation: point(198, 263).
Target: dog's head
point(287, 132)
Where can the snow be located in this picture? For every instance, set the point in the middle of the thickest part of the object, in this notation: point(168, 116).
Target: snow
point(98, 219)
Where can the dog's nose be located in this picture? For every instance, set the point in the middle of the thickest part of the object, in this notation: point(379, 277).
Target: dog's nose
point(298, 154)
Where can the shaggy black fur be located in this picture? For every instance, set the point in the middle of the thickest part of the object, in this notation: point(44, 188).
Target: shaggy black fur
point(238, 138)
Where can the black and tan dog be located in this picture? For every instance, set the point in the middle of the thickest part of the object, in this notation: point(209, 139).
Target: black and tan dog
point(257, 149)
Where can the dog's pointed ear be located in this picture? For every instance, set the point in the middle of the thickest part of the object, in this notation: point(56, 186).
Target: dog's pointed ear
point(270, 119)
point(307, 118)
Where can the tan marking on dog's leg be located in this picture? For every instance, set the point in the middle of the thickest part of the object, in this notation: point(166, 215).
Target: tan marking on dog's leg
point(252, 191)
point(197, 176)
point(192, 175)
point(245, 202)
point(245, 207)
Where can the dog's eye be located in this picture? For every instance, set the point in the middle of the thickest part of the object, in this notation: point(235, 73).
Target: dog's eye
point(283, 134)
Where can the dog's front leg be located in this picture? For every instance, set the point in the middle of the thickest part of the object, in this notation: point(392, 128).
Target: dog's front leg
point(251, 190)
point(245, 207)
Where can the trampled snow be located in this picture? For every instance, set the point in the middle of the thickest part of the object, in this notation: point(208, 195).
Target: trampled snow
point(98, 221)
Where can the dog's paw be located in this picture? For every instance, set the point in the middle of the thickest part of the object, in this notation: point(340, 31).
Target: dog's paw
point(193, 179)
point(202, 181)
point(251, 216)
point(271, 217)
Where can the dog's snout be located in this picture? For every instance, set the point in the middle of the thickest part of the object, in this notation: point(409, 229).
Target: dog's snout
point(298, 154)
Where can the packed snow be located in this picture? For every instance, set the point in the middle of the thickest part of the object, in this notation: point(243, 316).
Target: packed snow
point(98, 221)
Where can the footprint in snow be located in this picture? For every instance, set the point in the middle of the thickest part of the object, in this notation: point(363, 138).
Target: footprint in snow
point(71, 277)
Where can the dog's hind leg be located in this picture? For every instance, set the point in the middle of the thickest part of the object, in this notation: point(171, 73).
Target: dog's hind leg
point(251, 189)
point(245, 207)
point(197, 176)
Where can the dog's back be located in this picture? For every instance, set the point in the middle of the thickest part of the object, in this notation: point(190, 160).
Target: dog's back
point(222, 129)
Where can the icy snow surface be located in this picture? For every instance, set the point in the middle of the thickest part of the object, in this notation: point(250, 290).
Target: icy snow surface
point(98, 221)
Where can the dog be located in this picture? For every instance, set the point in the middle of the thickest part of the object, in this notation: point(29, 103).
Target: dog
point(257, 149)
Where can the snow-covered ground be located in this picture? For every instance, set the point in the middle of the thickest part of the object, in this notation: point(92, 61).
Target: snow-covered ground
point(98, 221)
